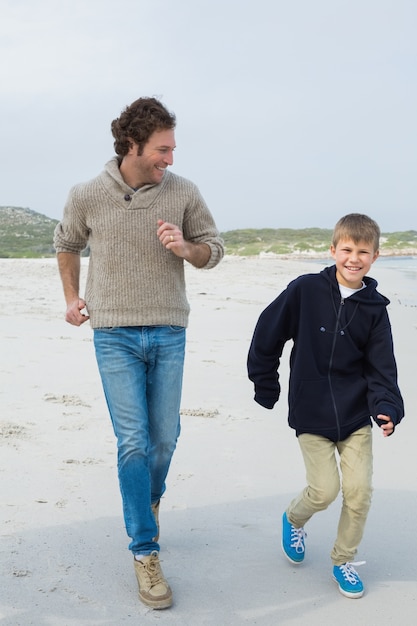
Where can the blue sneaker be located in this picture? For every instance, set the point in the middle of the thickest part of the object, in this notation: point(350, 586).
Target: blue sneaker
point(350, 585)
point(293, 541)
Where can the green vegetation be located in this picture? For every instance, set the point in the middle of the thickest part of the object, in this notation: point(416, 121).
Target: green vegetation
point(305, 241)
point(250, 242)
point(27, 234)
point(406, 239)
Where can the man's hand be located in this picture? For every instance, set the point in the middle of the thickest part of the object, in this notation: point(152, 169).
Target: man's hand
point(73, 314)
point(171, 237)
point(198, 254)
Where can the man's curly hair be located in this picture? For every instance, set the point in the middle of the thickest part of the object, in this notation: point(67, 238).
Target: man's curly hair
point(138, 121)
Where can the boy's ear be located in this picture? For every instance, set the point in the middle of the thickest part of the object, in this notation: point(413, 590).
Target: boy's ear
point(332, 250)
point(376, 255)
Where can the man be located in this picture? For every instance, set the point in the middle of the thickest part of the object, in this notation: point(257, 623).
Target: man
point(140, 222)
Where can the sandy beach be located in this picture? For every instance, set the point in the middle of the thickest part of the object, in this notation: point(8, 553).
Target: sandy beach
point(64, 557)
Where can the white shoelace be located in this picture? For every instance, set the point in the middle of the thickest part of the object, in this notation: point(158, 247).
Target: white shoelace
point(349, 572)
point(297, 539)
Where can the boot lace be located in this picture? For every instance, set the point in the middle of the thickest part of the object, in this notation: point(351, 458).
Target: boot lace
point(153, 570)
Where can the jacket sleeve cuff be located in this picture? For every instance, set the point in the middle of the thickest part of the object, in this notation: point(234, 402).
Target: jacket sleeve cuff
point(267, 403)
point(386, 409)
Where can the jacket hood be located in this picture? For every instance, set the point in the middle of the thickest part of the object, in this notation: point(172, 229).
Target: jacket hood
point(369, 296)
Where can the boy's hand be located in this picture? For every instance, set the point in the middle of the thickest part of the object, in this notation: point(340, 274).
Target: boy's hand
point(388, 427)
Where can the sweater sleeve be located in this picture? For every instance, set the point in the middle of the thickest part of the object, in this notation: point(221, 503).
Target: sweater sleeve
point(199, 227)
point(71, 233)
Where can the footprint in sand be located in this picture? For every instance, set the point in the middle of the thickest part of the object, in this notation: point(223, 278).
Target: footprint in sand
point(65, 399)
point(200, 412)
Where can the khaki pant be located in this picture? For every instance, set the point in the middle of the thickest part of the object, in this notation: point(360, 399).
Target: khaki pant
point(323, 485)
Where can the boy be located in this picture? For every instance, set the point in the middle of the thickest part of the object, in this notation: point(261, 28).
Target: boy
point(342, 371)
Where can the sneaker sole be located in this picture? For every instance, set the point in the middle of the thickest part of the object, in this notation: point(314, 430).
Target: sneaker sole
point(348, 594)
point(156, 604)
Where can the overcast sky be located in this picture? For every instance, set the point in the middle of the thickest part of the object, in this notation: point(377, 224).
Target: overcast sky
point(289, 113)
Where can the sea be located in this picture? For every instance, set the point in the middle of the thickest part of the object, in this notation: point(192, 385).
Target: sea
point(405, 264)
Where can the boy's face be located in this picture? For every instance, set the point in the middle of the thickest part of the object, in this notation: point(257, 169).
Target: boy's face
point(353, 261)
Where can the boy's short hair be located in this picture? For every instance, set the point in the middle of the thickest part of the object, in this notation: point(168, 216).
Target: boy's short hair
point(138, 121)
point(357, 227)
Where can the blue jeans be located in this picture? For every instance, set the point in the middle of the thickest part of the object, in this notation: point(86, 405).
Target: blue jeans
point(141, 368)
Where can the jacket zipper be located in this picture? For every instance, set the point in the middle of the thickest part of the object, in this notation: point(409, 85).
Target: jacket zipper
point(329, 377)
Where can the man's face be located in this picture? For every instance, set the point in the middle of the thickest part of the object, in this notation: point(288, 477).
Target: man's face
point(157, 154)
point(353, 261)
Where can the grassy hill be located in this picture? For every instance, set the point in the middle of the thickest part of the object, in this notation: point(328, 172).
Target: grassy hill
point(306, 242)
point(250, 241)
point(27, 234)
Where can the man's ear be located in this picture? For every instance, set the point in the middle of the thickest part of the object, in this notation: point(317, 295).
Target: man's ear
point(132, 144)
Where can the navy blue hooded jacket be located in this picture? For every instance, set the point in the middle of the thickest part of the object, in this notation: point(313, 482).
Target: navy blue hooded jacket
point(342, 364)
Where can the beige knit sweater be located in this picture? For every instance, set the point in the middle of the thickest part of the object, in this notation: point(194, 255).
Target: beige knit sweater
point(133, 280)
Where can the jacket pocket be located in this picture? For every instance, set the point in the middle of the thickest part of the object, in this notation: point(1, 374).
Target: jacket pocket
point(311, 405)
